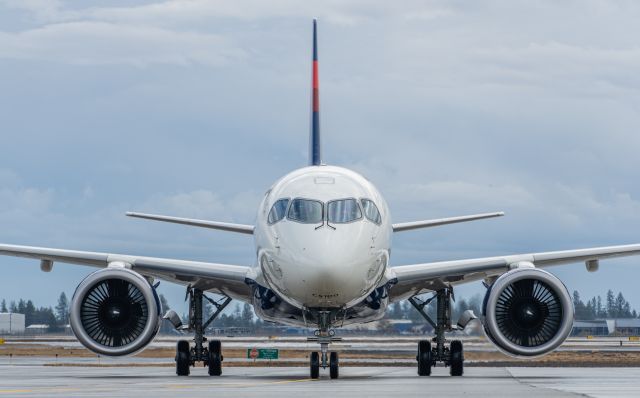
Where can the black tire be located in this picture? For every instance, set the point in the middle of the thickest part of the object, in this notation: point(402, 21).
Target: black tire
point(424, 358)
point(215, 358)
point(457, 358)
point(183, 362)
point(314, 365)
point(334, 365)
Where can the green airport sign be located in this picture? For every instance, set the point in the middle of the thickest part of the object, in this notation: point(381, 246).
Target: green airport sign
point(262, 353)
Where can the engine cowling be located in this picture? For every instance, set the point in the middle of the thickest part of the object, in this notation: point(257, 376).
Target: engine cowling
point(115, 311)
point(527, 312)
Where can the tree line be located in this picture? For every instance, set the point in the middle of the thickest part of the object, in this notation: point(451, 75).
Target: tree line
point(612, 306)
point(404, 310)
point(57, 318)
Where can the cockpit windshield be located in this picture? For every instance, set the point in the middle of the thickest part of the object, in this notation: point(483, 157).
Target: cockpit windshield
point(343, 211)
point(309, 211)
point(306, 211)
point(371, 211)
point(278, 211)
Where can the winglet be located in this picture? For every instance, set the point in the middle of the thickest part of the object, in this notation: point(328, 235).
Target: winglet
point(315, 155)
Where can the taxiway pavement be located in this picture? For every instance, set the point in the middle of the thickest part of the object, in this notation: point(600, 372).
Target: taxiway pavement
point(63, 381)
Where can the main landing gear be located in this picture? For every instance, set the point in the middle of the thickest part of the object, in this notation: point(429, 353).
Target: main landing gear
point(324, 358)
point(209, 354)
point(428, 356)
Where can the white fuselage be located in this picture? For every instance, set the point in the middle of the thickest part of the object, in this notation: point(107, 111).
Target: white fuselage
point(323, 264)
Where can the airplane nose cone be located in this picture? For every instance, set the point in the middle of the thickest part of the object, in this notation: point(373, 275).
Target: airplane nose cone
point(329, 271)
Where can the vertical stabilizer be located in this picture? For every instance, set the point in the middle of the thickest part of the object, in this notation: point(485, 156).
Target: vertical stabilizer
point(315, 154)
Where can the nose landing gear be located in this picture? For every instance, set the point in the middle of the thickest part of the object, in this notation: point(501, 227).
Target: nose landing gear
point(428, 356)
point(315, 363)
point(324, 359)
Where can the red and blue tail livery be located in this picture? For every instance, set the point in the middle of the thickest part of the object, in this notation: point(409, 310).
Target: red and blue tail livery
point(314, 144)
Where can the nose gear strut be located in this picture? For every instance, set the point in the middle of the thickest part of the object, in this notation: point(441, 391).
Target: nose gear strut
point(324, 335)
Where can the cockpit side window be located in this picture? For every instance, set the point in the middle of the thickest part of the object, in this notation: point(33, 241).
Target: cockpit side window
point(371, 211)
point(306, 211)
point(343, 211)
point(278, 211)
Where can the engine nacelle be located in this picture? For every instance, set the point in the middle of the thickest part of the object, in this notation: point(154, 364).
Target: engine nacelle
point(527, 312)
point(115, 311)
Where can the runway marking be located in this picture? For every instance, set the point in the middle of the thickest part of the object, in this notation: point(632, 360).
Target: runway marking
point(38, 390)
point(239, 385)
point(174, 386)
point(14, 391)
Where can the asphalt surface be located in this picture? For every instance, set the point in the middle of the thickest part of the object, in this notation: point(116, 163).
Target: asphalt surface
point(373, 343)
point(62, 381)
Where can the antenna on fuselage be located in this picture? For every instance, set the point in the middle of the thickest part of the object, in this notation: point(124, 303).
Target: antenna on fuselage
point(315, 153)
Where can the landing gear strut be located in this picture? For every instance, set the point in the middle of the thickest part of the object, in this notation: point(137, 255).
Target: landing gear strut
point(210, 356)
point(325, 336)
point(428, 356)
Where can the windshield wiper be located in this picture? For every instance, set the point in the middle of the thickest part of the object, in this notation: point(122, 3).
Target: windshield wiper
point(328, 225)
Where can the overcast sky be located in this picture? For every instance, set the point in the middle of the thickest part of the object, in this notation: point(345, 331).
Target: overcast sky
point(193, 108)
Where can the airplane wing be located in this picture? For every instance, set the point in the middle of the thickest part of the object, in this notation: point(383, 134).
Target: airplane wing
point(217, 278)
point(422, 278)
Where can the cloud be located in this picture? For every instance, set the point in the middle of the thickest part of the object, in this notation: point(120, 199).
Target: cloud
point(196, 204)
point(22, 209)
point(610, 70)
point(331, 11)
point(102, 43)
point(192, 108)
point(183, 12)
point(40, 10)
point(26, 200)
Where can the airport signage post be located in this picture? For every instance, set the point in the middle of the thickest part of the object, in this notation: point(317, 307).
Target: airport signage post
point(262, 353)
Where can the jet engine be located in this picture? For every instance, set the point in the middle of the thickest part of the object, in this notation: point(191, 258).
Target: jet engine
point(115, 311)
point(527, 312)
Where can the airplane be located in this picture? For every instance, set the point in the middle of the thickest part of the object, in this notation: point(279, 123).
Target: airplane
point(323, 243)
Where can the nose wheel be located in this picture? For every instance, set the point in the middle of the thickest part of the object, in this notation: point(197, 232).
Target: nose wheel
point(315, 363)
point(334, 365)
point(324, 359)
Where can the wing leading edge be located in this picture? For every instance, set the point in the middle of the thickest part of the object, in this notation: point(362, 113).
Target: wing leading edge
point(419, 278)
point(221, 278)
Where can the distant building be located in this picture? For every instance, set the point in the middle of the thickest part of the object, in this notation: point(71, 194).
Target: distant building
point(11, 323)
point(37, 329)
point(231, 331)
point(590, 328)
point(401, 326)
point(627, 327)
point(606, 327)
